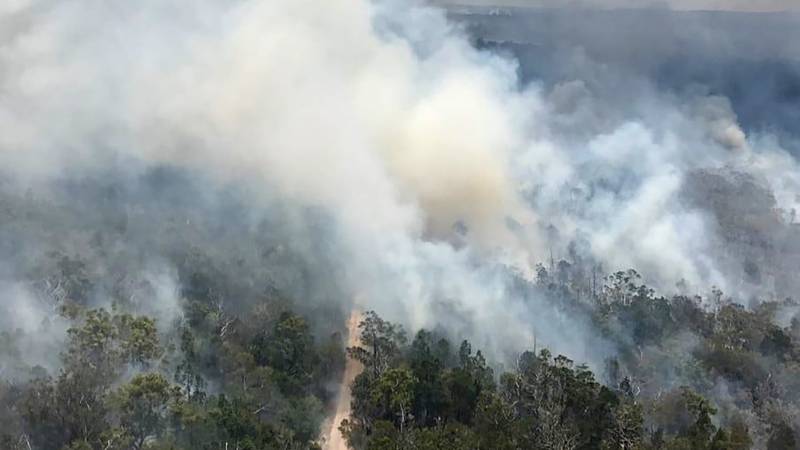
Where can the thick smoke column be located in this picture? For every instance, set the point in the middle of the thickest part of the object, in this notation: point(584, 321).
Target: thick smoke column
point(440, 173)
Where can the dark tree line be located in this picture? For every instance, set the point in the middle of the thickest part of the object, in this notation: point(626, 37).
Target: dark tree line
point(430, 395)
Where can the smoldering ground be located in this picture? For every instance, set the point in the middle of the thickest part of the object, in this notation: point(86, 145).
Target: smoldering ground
point(384, 156)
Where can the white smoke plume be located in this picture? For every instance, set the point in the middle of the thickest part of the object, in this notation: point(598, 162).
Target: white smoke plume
point(435, 164)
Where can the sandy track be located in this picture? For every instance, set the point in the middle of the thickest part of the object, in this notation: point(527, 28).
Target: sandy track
point(332, 438)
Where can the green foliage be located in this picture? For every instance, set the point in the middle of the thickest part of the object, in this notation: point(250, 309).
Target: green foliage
point(545, 403)
point(288, 349)
point(426, 399)
point(394, 391)
point(268, 373)
point(443, 437)
point(497, 423)
point(256, 377)
point(138, 339)
point(103, 343)
point(380, 344)
point(142, 405)
point(62, 411)
point(701, 429)
point(92, 347)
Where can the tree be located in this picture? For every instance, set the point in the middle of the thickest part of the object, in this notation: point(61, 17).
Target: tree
point(496, 422)
point(69, 409)
point(626, 432)
point(463, 391)
point(92, 348)
point(380, 344)
point(100, 346)
point(187, 374)
point(138, 338)
point(72, 408)
point(142, 406)
point(395, 390)
point(427, 367)
point(289, 349)
point(739, 437)
point(451, 436)
point(561, 406)
point(782, 438)
point(701, 431)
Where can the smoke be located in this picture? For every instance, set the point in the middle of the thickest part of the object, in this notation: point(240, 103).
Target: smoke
point(684, 5)
point(438, 174)
point(31, 336)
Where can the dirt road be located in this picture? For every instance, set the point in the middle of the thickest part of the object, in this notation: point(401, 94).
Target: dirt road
point(331, 437)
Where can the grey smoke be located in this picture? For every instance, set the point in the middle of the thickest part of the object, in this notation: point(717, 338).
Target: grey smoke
point(685, 5)
point(401, 167)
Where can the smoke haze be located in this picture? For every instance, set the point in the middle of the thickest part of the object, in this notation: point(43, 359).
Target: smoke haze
point(680, 5)
point(397, 162)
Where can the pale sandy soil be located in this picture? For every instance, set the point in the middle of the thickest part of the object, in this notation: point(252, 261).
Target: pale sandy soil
point(331, 438)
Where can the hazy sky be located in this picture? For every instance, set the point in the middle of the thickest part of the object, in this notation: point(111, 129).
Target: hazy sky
point(731, 5)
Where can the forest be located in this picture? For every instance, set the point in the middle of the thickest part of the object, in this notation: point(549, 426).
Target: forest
point(658, 394)
point(399, 225)
point(244, 365)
